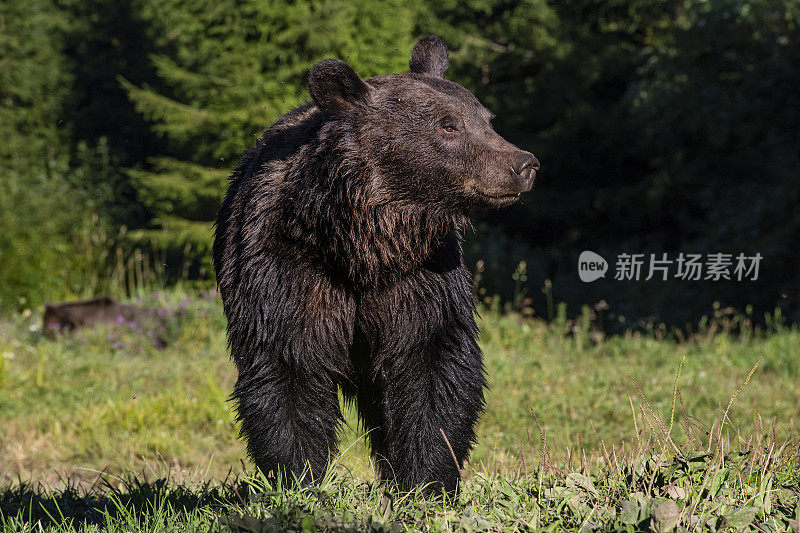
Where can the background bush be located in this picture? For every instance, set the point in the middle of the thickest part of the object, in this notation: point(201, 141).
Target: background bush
point(662, 127)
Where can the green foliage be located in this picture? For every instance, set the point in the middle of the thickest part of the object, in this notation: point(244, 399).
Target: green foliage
point(52, 203)
point(32, 83)
point(183, 196)
point(35, 250)
point(227, 72)
point(668, 126)
point(662, 127)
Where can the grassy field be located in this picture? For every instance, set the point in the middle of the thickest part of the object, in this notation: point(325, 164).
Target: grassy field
point(580, 430)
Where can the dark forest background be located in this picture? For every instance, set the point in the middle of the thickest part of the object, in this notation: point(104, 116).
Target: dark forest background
point(662, 126)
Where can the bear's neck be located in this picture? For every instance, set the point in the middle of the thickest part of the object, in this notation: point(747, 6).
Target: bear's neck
point(370, 239)
point(383, 243)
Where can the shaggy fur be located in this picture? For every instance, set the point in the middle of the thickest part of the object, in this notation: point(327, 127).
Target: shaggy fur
point(338, 259)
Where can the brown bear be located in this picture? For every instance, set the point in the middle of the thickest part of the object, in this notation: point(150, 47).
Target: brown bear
point(338, 259)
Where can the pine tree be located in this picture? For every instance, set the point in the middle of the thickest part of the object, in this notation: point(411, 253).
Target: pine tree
point(49, 209)
point(32, 81)
point(226, 70)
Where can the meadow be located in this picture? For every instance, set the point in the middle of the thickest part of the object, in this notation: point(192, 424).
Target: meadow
point(102, 428)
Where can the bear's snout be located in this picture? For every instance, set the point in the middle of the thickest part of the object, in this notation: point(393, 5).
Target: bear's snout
point(524, 168)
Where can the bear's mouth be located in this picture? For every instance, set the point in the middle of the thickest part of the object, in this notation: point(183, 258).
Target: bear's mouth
point(497, 199)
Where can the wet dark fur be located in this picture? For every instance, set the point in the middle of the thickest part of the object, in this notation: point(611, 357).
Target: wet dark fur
point(339, 266)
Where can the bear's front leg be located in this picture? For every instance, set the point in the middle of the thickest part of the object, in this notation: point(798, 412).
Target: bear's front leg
point(424, 394)
point(289, 336)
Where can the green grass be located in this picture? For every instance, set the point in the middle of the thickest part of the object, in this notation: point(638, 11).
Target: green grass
point(114, 427)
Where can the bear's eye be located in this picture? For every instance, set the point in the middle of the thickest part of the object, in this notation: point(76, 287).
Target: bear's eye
point(448, 125)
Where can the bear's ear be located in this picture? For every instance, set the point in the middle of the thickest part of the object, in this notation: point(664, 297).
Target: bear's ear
point(429, 56)
point(335, 86)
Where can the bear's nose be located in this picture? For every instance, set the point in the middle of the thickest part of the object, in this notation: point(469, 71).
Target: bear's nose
point(524, 167)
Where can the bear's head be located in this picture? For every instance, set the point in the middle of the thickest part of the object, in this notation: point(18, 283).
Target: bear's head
point(427, 140)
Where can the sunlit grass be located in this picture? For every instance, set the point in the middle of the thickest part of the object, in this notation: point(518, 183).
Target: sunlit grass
point(563, 401)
